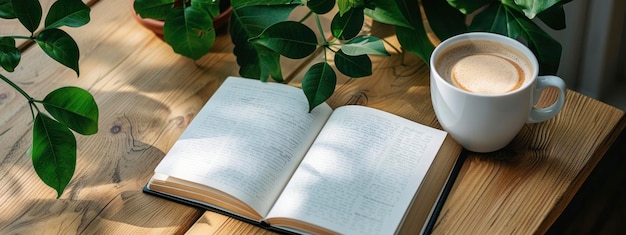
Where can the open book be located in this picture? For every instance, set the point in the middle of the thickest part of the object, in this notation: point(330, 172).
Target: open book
point(256, 153)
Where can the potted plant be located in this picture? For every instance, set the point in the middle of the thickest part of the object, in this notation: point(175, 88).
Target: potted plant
point(262, 34)
point(69, 108)
point(188, 26)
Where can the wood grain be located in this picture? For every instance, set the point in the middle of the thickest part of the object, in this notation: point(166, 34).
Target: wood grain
point(524, 187)
point(113, 164)
point(147, 95)
point(520, 189)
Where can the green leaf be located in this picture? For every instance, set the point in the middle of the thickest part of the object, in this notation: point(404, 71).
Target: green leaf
point(348, 25)
point(533, 7)
point(362, 45)
point(320, 6)
point(444, 20)
point(254, 60)
point(254, 19)
point(189, 32)
point(270, 61)
point(54, 152)
point(554, 17)
point(74, 108)
point(59, 46)
point(211, 6)
point(497, 19)
point(154, 9)
point(28, 12)
point(468, 6)
point(236, 4)
point(415, 41)
point(318, 84)
point(511, 4)
point(9, 54)
point(353, 66)
point(289, 38)
point(72, 13)
point(502, 19)
point(547, 50)
point(6, 10)
point(387, 12)
point(346, 5)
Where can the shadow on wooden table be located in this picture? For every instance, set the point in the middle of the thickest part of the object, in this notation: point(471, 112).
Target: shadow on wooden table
point(599, 206)
point(112, 167)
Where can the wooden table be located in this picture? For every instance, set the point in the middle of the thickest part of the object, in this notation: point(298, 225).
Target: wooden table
point(147, 95)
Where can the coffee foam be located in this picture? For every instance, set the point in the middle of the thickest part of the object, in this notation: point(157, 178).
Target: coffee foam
point(486, 74)
point(484, 67)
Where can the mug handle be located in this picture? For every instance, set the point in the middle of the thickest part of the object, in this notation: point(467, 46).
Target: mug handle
point(543, 114)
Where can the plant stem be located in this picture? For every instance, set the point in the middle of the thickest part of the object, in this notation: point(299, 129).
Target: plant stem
point(398, 50)
point(5, 79)
point(319, 27)
point(19, 37)
point(31, 100)
point(306, 16)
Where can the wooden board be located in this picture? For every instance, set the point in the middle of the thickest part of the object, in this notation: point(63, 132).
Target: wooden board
point(524, 188)
point(147, 95)
point(521, 189)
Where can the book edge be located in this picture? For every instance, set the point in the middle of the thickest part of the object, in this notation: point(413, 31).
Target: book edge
point(206, 207)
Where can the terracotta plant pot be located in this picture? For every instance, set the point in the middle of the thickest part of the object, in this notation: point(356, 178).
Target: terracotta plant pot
point(156, 26)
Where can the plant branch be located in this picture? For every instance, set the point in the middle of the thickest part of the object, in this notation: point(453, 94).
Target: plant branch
point(32, 112)
point(319, 27)
point(19, 37)
point(5, 79)
point(306, 16)
point(31, 100)
point(398, 50)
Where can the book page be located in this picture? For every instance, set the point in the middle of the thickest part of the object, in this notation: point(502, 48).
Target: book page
point(246, 141)
point(361, 173)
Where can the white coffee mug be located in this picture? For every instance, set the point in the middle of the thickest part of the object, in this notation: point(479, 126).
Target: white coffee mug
point(489, 122)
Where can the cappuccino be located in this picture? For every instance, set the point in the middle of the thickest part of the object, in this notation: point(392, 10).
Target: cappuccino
point(484, 67)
